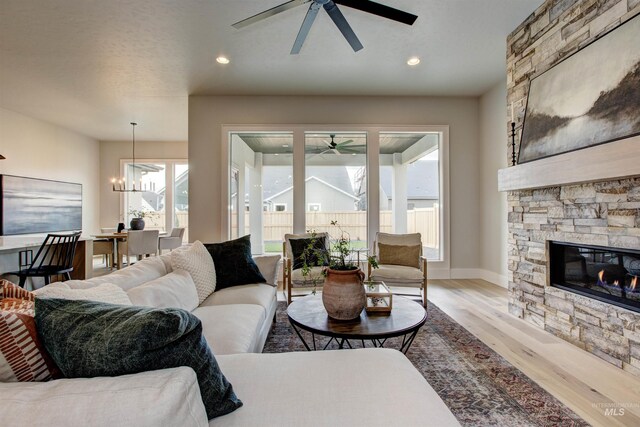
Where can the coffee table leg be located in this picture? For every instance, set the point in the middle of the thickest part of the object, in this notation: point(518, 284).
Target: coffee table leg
point(407, 340)
point(302, 338)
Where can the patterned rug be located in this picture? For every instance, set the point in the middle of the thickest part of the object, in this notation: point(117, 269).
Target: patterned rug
point(478, 385)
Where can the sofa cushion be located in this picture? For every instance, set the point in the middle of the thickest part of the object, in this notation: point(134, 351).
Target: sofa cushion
point(365, 387)
point(260, 294)
point(105, 292)
point(268, 266)
point(196, 260)
point(398, 274)
point(234, 264)
point(134, 275)
point(23, 356)
point(311, 250)
point(408, 256)
point(167, 397)
point(175, 290)
point(231, 329)
point(89, 339)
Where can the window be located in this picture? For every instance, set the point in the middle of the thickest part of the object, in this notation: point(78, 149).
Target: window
point(368, 179)
point(261, 165)
point(165, 195)
point(410, 187)
point(336, 183)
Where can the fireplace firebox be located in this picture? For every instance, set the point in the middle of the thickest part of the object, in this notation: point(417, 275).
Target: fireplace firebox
point(606, 274)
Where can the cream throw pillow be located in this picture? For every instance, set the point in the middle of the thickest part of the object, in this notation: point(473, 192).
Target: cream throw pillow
point(408, 256)
point(196, 261)
point(106, 292)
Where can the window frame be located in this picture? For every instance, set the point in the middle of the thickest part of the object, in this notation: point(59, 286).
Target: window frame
point(169, 170)
point(439, 269)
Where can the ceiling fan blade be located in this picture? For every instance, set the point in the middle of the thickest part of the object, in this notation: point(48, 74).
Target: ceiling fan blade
point(342, 24)
point(335, 151)
point(304, 29)
point(380, 10)
point(347, 142)
point(269, 13)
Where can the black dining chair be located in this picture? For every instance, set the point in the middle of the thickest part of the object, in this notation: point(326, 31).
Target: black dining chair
point(54, 257)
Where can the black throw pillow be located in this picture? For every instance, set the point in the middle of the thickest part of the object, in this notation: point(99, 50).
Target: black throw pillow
point(234, 264)
point(93, 339)
point(317, 256)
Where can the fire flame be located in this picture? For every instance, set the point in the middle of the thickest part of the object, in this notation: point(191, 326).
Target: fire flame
point(634, 282)
point(616, 283)
point(601, 276)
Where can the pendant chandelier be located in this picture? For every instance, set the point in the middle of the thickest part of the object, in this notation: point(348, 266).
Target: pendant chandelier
point(120, 185)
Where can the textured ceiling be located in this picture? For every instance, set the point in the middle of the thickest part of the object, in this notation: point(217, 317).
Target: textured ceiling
point(95, 65)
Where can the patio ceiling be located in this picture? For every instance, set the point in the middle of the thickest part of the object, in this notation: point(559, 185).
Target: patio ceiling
point(282, 143)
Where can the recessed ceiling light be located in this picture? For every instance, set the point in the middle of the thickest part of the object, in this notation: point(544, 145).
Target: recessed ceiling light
point(285, 145)
point(413, 61)
point(222, 60)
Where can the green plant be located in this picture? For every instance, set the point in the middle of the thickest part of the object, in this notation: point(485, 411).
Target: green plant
point(140, 213)
point(373, 262)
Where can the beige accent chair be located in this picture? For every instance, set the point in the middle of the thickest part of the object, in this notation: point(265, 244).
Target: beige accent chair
point(172, 241)
point(401, 275)
point(140, 243)
point(293, 278)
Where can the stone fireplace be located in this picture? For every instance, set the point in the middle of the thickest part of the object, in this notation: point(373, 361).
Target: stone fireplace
point(607, 274)
point(554, 202)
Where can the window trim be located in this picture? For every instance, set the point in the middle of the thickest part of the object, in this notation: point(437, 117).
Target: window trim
point(439, 268)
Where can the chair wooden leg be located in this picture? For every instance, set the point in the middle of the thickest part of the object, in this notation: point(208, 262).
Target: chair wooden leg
point(23, 281)
point(47, 279)
point(424, 294)
point(67, 276)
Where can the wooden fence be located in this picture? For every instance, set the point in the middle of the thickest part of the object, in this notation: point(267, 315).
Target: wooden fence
point(422, 220)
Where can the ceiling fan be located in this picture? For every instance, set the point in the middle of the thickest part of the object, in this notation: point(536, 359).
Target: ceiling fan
point(331, 6)
point(343, 147)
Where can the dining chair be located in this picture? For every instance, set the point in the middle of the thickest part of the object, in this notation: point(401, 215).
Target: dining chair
point(292, 276)
point(141, 243)
point(400, 262)
point(172, 241)
point(54, 257)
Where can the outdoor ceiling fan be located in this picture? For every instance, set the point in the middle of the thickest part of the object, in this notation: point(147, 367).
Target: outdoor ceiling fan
point(343, 147)
point(331, 6)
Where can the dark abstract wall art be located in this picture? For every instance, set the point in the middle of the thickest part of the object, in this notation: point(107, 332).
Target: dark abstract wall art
point(590, 98)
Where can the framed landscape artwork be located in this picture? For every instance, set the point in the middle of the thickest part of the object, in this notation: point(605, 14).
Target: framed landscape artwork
point(590, 98)
point(31, 205)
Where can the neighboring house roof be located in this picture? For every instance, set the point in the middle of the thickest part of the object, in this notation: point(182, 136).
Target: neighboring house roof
point(286, 190)
point(275, 179)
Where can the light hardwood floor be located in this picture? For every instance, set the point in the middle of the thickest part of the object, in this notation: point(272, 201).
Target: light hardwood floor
point(579, 379)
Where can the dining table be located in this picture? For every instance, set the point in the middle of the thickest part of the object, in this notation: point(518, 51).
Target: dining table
point(117, 239)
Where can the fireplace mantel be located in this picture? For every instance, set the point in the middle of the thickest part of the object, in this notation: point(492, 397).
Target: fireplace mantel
point(615, 160)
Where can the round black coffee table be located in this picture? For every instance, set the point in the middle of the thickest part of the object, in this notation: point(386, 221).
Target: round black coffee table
point(405, 319)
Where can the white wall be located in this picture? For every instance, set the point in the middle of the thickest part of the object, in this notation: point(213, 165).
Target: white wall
point(37, 149)
point(493, 204)
point(207, 114)
point(111, 152)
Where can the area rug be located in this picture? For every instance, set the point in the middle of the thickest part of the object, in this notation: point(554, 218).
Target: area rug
point(476, 383)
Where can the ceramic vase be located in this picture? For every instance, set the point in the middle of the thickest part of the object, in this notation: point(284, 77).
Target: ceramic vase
point(343, 294)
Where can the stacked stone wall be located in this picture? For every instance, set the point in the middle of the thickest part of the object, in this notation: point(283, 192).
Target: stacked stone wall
point(601, 213)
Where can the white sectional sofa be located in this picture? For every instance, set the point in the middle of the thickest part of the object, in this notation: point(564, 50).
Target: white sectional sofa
point(370, 387)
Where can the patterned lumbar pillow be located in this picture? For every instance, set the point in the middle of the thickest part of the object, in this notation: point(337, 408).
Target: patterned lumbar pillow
point(196, 261)
point(234, 264)
point(90, 339)
point(22, 355)
point(105, 292)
